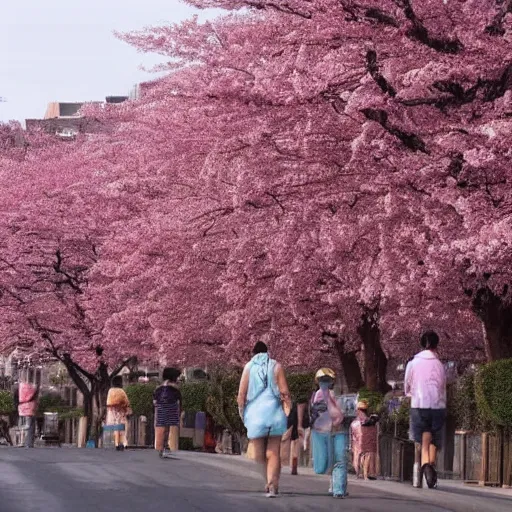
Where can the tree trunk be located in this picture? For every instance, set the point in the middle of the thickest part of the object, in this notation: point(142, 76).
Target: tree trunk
point(496, 317)
point(375, 361)
point(350, 366)
point(99, 395)
point(88, 408)
point(94, 388)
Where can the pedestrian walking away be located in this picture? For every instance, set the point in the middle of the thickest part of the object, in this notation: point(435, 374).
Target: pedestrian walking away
point(364, 438)
point(264, 404)
point(27, 407)
point(329, 443)
point(167, 402)
point(425, 384)
point(118, 410)
point(295, 436)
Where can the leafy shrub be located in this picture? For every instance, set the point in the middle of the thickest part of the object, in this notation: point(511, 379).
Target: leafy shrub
point(6, 403)
point(395, 422)
point(462, 404)
point(68, 413)
point(493, 392)
point(50, 402)
point(186, 444)
point(221, 403)
point(194, 396)
point(374, 398)
point(301, 386)
point(53, 402)
point(141, 398)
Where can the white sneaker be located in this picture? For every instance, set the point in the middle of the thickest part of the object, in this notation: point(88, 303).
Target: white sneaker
point(271, 493)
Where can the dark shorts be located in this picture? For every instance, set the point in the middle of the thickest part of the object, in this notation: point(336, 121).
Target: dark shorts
point(427, 420)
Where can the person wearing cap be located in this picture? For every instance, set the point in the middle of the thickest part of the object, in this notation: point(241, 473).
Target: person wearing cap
point(325, 419)
point(425, 384)
point(363, 434)
point(264, 403)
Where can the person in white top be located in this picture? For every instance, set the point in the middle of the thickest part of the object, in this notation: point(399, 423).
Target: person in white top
point(425, 384)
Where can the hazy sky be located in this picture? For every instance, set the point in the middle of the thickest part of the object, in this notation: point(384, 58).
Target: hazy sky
point(64, 50)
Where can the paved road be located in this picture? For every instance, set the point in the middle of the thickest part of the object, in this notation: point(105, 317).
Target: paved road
point(70, 480)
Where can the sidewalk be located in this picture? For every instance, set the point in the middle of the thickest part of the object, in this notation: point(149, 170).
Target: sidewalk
point(239, 464)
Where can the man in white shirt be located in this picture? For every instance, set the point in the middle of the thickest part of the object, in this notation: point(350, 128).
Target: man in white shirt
point(425, 383)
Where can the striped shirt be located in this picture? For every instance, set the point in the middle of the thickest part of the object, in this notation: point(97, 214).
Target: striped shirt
point(167, 400)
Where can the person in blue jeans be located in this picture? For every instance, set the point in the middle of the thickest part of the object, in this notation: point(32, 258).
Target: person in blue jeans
point(328, 443)
point(264, 404)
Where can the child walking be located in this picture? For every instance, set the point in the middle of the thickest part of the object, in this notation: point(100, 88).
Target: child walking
point(167, 401)
point(363, 431)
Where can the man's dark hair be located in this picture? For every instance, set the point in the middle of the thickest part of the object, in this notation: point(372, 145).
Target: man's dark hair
point(172, 374)
point(117, 381)
point(429, 340)
point(260, 348)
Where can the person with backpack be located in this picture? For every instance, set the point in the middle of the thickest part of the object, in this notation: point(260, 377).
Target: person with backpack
point(364, 439)
point(118, 410)
point(329, 444)
point(167, 402)
point(264, 403)
point(425, 384)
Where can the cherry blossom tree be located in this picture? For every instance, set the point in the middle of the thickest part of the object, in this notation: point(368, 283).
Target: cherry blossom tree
point(330, 176)
point(405, 119)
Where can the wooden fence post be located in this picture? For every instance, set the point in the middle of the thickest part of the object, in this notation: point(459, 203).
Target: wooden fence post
point(82, 432)
point(463, 456)
point(141, 431)
point(485, 460)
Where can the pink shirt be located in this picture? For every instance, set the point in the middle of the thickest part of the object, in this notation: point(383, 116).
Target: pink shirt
point(425, 381)
point(26, 392)
point(330, 418)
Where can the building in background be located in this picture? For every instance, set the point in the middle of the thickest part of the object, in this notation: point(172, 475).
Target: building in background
point(65, 120)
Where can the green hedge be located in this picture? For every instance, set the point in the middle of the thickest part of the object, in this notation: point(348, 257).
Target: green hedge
point(221, 403)
point(374, 398)
point(462, 404)
point(141, 398)
point(217, 396)
point(396, 423)
point(194, 396)
point(186, 444)
point(493, 392)
point(52, 402)
point(301, 386)
point(6, 403)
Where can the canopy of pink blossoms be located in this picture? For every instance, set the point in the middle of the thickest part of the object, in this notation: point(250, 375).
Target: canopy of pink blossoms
point(302, 167)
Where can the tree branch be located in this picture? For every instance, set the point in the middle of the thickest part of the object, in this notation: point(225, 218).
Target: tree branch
point(381, 17)
point(373, 68)
point(284, 8)
point(410, 140)
point(419, 32)
point(496, 27)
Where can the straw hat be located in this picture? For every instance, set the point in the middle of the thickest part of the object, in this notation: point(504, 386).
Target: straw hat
point(324, 372)
point(363, 404)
